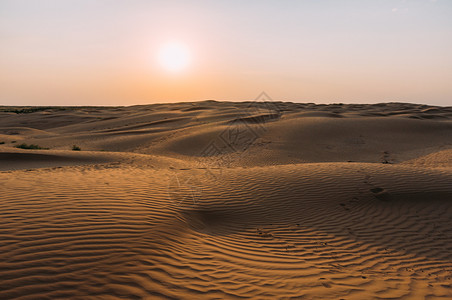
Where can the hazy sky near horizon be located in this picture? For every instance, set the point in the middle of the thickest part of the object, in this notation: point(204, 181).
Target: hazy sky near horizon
point(105, 52)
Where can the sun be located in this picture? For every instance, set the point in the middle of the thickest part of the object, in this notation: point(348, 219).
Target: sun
point(174, 56)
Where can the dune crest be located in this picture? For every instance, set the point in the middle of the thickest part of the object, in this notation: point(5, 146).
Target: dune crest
point(224, 200)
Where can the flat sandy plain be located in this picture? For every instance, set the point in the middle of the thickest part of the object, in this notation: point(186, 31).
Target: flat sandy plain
point(224, 200)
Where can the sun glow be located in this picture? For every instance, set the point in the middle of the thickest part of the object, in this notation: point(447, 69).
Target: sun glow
point(174, 57)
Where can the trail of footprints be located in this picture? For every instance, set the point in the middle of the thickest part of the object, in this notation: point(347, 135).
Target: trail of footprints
point(124, 238)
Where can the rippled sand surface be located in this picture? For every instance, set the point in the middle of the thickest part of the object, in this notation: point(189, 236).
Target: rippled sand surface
point(220, 200)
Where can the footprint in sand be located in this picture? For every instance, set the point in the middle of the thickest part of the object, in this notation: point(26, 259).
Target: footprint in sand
point(326, 284)
point(380, 193)
point(264, 233)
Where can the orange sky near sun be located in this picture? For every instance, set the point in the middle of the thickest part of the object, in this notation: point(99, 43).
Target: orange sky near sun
point(99, 53)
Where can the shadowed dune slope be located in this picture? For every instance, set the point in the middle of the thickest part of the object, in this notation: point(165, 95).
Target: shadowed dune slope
point(223, 200)
point(303, 132)
point(29, 160)
point(318, 230)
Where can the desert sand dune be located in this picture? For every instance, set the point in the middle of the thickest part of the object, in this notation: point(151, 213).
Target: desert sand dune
point(17, 160)
point(225, 200)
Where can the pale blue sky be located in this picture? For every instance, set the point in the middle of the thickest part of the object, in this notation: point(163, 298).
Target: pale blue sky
point(104, 52)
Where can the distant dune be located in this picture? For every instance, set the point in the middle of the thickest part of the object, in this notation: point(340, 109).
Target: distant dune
point(226, 200)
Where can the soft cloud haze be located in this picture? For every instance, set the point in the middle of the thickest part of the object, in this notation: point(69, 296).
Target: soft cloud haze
point(105, 52)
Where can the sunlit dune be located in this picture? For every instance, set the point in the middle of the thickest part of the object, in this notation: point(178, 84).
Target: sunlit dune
point(223, 200)
point(119, 179)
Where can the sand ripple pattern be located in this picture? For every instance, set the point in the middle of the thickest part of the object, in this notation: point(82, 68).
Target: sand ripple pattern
point(326, 230)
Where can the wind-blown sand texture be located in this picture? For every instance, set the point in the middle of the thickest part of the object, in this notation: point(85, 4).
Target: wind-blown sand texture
point(224, 200)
